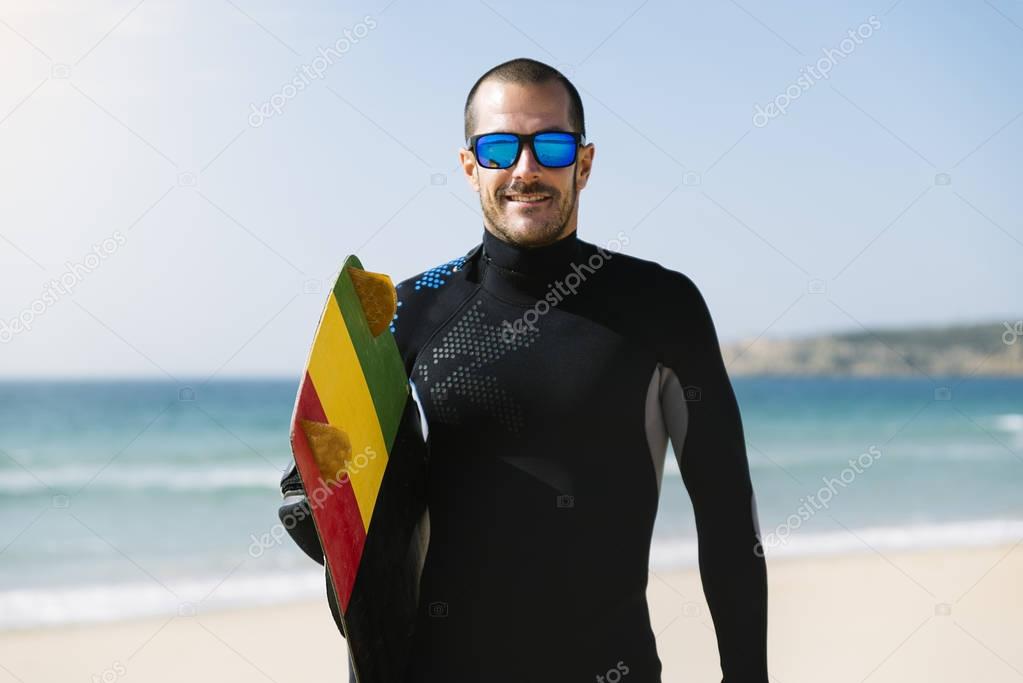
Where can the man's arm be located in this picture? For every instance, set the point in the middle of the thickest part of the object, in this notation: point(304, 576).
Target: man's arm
point(707, 437)
point(297, 518)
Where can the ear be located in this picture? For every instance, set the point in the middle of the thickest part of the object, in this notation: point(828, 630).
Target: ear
point(468, 163)
point(584, 164)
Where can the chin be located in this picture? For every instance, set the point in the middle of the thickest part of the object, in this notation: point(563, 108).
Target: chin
point(533, 234)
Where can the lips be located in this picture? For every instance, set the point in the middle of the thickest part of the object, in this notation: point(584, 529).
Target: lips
point(527, 198)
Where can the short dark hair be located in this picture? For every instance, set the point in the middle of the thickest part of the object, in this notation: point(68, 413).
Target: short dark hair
point(525, 71)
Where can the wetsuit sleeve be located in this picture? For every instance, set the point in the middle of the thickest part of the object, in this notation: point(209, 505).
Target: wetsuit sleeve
point(297, 519)
point(296, 516)
point(708, 440)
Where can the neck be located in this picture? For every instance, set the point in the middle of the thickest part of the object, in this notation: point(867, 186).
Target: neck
point(523, 273)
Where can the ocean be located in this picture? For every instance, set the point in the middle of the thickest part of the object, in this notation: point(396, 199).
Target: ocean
point(132, 498)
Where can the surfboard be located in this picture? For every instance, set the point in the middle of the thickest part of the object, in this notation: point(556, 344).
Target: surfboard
point(358, 447)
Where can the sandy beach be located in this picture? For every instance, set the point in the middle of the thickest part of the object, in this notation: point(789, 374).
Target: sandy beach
point(940, 615)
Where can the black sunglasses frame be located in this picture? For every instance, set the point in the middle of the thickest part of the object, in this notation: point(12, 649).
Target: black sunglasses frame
point(524, 139)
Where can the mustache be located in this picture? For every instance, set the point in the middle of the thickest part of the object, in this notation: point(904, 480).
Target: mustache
point(529, 189)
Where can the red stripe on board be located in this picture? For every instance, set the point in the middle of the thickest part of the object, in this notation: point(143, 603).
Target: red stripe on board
point(334, 506)
point(309, 407)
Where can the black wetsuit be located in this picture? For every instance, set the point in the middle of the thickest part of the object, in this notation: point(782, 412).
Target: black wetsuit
point(550, 381)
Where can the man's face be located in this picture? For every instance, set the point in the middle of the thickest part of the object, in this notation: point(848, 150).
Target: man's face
point(514, 108)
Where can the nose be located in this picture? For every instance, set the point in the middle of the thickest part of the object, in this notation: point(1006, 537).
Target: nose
point(527, 165)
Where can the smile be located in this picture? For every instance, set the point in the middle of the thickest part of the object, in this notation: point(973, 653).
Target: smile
point(527, 198)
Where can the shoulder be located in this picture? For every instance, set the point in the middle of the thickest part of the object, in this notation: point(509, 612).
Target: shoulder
point(433, 278)
point(427, 298)
point(662, 305)
point(645, 279)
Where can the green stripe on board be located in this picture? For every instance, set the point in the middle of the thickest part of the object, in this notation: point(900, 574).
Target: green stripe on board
point(383, 368)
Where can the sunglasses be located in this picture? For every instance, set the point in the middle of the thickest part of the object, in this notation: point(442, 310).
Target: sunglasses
point(552, 149)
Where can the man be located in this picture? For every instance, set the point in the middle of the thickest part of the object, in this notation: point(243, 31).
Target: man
point(551, 374)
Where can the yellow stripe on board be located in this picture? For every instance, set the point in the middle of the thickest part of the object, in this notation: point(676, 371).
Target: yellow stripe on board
point(348, 405)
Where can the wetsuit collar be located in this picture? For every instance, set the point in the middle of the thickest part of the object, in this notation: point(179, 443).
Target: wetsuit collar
point(524, 273)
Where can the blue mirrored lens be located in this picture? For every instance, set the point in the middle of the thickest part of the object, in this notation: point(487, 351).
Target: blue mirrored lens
point(555, 150)
point(497, 150)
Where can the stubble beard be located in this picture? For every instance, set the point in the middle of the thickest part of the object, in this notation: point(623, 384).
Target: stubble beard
point(546, 233)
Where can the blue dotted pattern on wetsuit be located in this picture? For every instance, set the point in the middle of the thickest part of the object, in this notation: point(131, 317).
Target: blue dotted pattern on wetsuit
point(395, 318)
point(432, 279)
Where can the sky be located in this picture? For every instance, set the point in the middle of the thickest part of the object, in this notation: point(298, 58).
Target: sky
point(192, 174)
